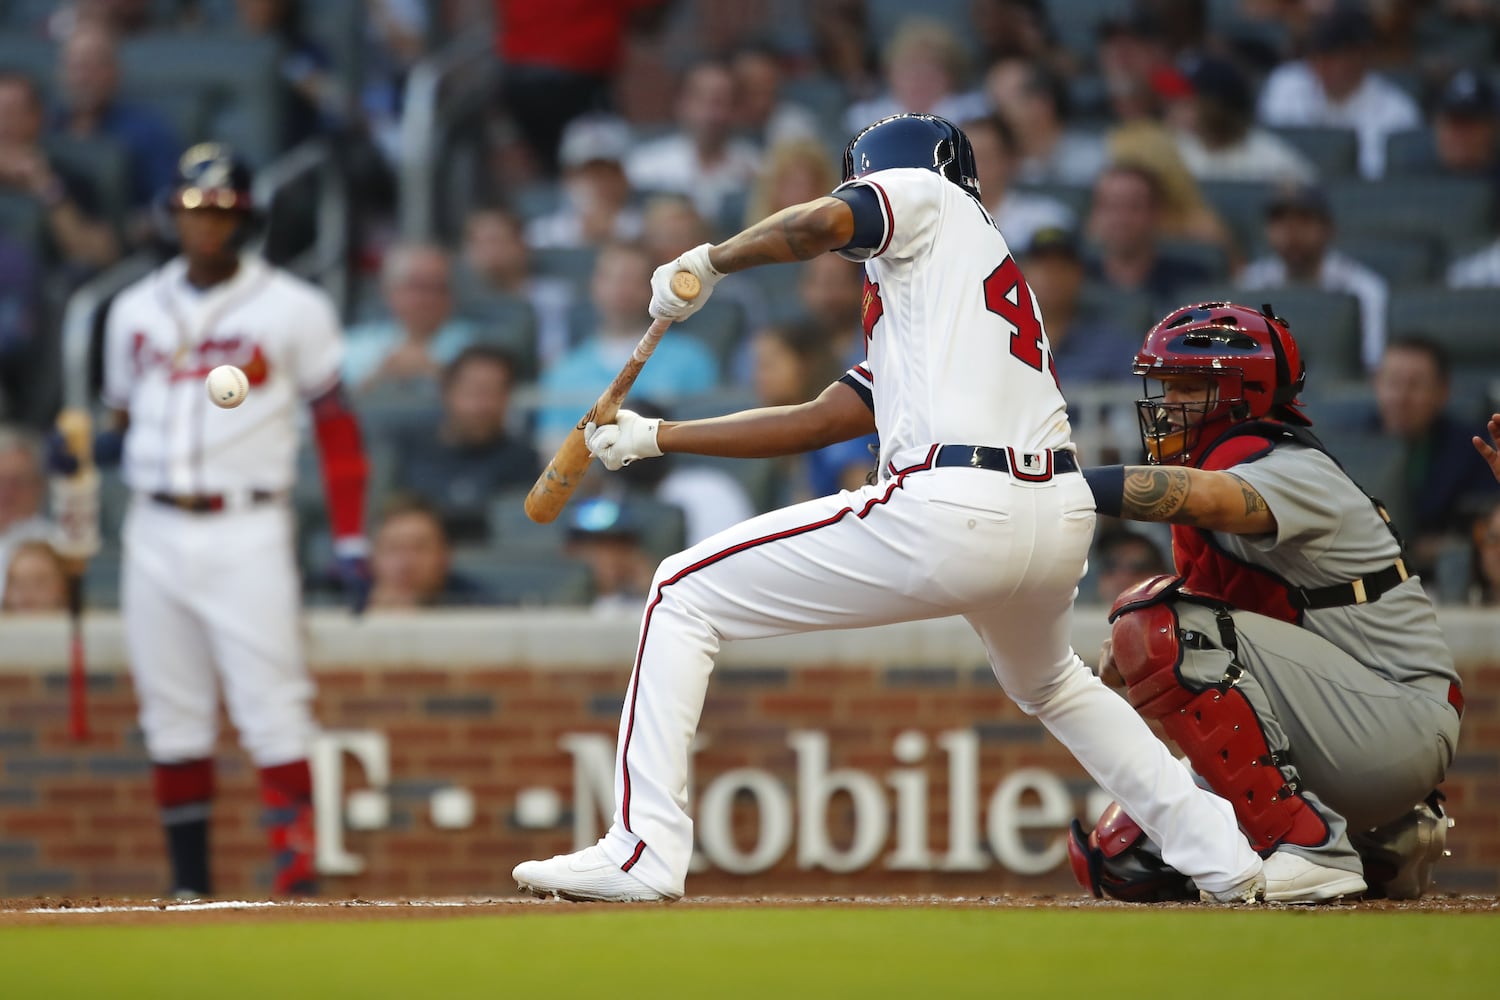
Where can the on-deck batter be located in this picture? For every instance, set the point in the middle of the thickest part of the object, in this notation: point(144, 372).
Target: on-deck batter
point(979, 511)
point(210, 591)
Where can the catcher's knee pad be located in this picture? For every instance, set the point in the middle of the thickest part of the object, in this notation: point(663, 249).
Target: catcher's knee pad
point(1116, 860)
point(1216, 727)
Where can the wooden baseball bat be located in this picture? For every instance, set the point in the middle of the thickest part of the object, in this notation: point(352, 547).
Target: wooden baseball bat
point(77, 429)
point(557, 482)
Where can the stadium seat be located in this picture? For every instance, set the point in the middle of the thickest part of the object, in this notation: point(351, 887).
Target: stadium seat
point(1465, 321)
point(527, 580)
point(1213, 259)
point(509, 324)
point(1075, 196)
point(1410, 152)
point(1325, 324)
point(1404, 262)
point(1446, 209)
point(573, 263)
point(512, 530)
point(1334, 151)
point(26, 54)
point(1134, 312)
point(239, 76)
point(1242, 206)
point(22, 219)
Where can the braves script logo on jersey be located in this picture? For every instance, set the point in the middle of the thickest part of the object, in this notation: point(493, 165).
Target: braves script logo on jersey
point(872, 309)
point(201, 359)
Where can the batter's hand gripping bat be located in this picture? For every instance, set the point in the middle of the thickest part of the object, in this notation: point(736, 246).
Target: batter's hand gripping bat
point(563, 474)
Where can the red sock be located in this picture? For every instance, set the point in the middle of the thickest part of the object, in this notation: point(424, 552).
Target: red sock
point(286, 790)
point(184, 793)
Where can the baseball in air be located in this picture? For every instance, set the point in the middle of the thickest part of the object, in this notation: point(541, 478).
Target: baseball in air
point(227, 386)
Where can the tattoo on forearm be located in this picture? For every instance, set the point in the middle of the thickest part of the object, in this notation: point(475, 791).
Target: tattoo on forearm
point(1254, 502)
point(1157, 495)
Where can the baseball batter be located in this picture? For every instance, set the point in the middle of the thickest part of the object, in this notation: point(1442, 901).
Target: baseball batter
point(979, 511)
point(210, 591)
point(1294, 660)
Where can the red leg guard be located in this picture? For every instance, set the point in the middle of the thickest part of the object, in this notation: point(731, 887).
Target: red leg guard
point(1217, 729)
point(286, 791)
point(1117, 861)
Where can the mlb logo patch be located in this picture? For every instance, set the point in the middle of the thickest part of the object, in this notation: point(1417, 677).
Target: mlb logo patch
point(1031, 466)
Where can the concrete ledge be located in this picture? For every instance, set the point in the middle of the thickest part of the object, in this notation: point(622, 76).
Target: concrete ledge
point(569, 639)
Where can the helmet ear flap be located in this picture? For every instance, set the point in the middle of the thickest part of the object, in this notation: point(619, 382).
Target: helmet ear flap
point(1288, 387)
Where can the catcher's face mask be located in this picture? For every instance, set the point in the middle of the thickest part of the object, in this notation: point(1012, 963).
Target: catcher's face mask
point(1172, 415)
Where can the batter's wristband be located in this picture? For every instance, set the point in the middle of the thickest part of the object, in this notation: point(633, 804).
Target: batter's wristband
point(1108, 484)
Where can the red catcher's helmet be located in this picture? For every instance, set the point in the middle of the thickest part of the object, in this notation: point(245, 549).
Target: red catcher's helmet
point(1249, 357)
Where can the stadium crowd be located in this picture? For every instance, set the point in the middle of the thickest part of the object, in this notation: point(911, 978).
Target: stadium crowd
point(1338, 159)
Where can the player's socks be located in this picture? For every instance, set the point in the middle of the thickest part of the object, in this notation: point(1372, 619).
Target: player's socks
point(184, 793)
point(286, 790)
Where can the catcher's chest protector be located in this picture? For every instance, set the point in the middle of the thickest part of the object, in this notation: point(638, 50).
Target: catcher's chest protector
point(1215, 726)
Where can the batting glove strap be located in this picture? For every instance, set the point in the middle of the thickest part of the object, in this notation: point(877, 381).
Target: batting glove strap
point(630, 438)
point(667, 304)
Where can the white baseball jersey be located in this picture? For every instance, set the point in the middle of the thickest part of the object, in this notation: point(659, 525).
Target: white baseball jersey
point(162, 339)
point(955, 339)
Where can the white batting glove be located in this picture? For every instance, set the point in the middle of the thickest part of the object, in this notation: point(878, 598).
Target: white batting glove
point(629, 438)
point(667, 304)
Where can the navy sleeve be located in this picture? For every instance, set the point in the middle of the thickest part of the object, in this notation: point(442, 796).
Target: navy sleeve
point(869, 221)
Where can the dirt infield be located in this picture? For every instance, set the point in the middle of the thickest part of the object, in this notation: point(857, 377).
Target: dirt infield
point(44, 911)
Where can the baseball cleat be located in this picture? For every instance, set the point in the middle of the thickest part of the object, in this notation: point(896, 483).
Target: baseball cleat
point(1291, 878)
point(1251, 891)
point(586, 876)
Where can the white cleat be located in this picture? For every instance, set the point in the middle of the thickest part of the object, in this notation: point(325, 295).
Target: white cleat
point(586, 876)
point(1291, 878)
point(1250, 891)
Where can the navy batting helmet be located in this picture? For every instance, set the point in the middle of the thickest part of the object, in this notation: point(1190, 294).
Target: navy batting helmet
point(210, 175)
point(925, 141)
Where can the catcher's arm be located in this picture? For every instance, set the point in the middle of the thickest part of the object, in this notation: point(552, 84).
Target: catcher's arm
point(1216, 501)
point(1491, 452)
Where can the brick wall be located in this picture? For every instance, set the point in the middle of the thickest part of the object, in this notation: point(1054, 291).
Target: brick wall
point(79, 819)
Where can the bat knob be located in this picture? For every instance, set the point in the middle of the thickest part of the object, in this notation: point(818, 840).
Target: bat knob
point(685, 284)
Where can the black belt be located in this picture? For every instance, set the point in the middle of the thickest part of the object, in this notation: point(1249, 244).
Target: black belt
point(1032, 466)
point(1339, 595)
point(209, 503)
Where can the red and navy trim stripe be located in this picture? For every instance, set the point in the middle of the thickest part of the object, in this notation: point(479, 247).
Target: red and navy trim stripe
point(890, 217)
point(706, 561)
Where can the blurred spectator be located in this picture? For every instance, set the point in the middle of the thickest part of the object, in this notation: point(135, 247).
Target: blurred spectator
point(842, 45)
point(557, 59)
point(1019, 214)
point(1335, 87)
point(21, 330)
point(314, 98)
point(1135, 62)
point(763, 115)
point(1185, 214)
point(1484, 586)
point(606, 534)
point(79, 236)
point(671, 226)
point(395, 38)
point(1125, 223)
point(1442, 480)
point(1035, 103)
point(794, 171)
point(1125, 558)
point(1087, 346)
point(125, 18)
point(1466, 128)
point(926, 72)
point(1300, 230)
point(1480, 269)
point(710, 498)
point(421, 336)
point(411, 563)
point(832, 294)
point(620, 291)
point(597, 197)
point(702, 158)
point(1216, 132)
point(22, 489)
point(1008, 29)
point(35, 580)
point(793, 363)
point(91, 107)
point(459, 465)
point(497, 265)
